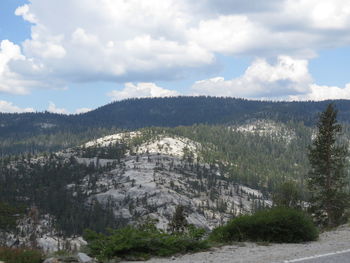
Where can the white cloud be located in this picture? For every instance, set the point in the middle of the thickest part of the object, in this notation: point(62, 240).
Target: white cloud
point(8, 107)
point(24, 12)
point(227, 34)
point(52, 108)
point(18, 75)
point(286, 77)
point(45, 50)
point(324, 93)
point(316, 14)
point(148, 41)
point(141, 90)
point(239, 6)
point(109, 41)
point(10, 82)
point(82, 110)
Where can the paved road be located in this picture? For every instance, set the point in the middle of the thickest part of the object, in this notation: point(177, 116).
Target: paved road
point(337, 257)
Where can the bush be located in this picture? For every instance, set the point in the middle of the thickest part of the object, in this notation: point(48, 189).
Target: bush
point(142, 242)
point(11, 255)
point(281, 225)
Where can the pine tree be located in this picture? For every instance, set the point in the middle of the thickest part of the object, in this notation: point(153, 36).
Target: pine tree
point(328, 173)
point(178, 222)
point(287, 195)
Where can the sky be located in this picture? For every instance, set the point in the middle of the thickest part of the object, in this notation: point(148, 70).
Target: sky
point(71, 56)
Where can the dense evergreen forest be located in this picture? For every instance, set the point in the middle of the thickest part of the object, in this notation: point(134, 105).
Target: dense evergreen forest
point(44, 181)
point(35, 132)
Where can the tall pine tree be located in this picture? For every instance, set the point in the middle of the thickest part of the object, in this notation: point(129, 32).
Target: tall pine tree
point(327, 177)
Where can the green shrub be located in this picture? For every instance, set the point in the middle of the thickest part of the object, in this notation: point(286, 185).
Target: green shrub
point(11, 255)
point(142, 242)
point(281, 225)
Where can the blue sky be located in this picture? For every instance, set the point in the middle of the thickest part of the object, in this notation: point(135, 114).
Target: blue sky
point(71, 56)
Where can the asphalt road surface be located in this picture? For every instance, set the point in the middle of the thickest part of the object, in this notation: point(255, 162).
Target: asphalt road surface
point(336, 257)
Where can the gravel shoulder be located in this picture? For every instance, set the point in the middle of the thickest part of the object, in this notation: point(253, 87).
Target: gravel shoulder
point(335, 240)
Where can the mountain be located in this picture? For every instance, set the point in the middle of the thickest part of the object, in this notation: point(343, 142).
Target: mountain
point(215, 171)
point(88, 171)
point(35, 132)
point(116, 180)
point(175, 111)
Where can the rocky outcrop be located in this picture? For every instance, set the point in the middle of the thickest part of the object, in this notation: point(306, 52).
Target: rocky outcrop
point(79, 258)
point(148, 182)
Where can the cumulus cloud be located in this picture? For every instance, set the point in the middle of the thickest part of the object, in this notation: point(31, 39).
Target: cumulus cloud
point(18, 74)
point(148, 41)
point(53, 109)
point(110, 41)
point(24, 12)
point(238, 6)
point(10, 82)
point(286, 77)
point(316, 14)
point(82, 110)
point(9, 107)
point(227, 34)
point(141, 90)
point(324, 93)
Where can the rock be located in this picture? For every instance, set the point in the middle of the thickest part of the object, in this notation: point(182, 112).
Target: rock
point(69, 260)
point(51, 260)
point(173, 258)
point(62, 260)
point(79, 258)
point(83, 258)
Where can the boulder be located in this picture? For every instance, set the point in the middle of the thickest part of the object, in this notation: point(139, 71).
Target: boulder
point(68, 259)
point(51, 260)
point(83, 258)
point(61, 260)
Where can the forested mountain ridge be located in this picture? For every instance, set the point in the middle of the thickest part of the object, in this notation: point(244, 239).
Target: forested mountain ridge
point(37, 132)
point(171, 112)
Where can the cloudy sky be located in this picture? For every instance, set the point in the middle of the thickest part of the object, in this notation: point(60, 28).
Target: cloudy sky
point(70, 56)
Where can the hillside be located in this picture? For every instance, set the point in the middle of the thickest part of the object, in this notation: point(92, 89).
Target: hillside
point(36, 132)
point(117, 180)
point(215, 171)
point(109, 178)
